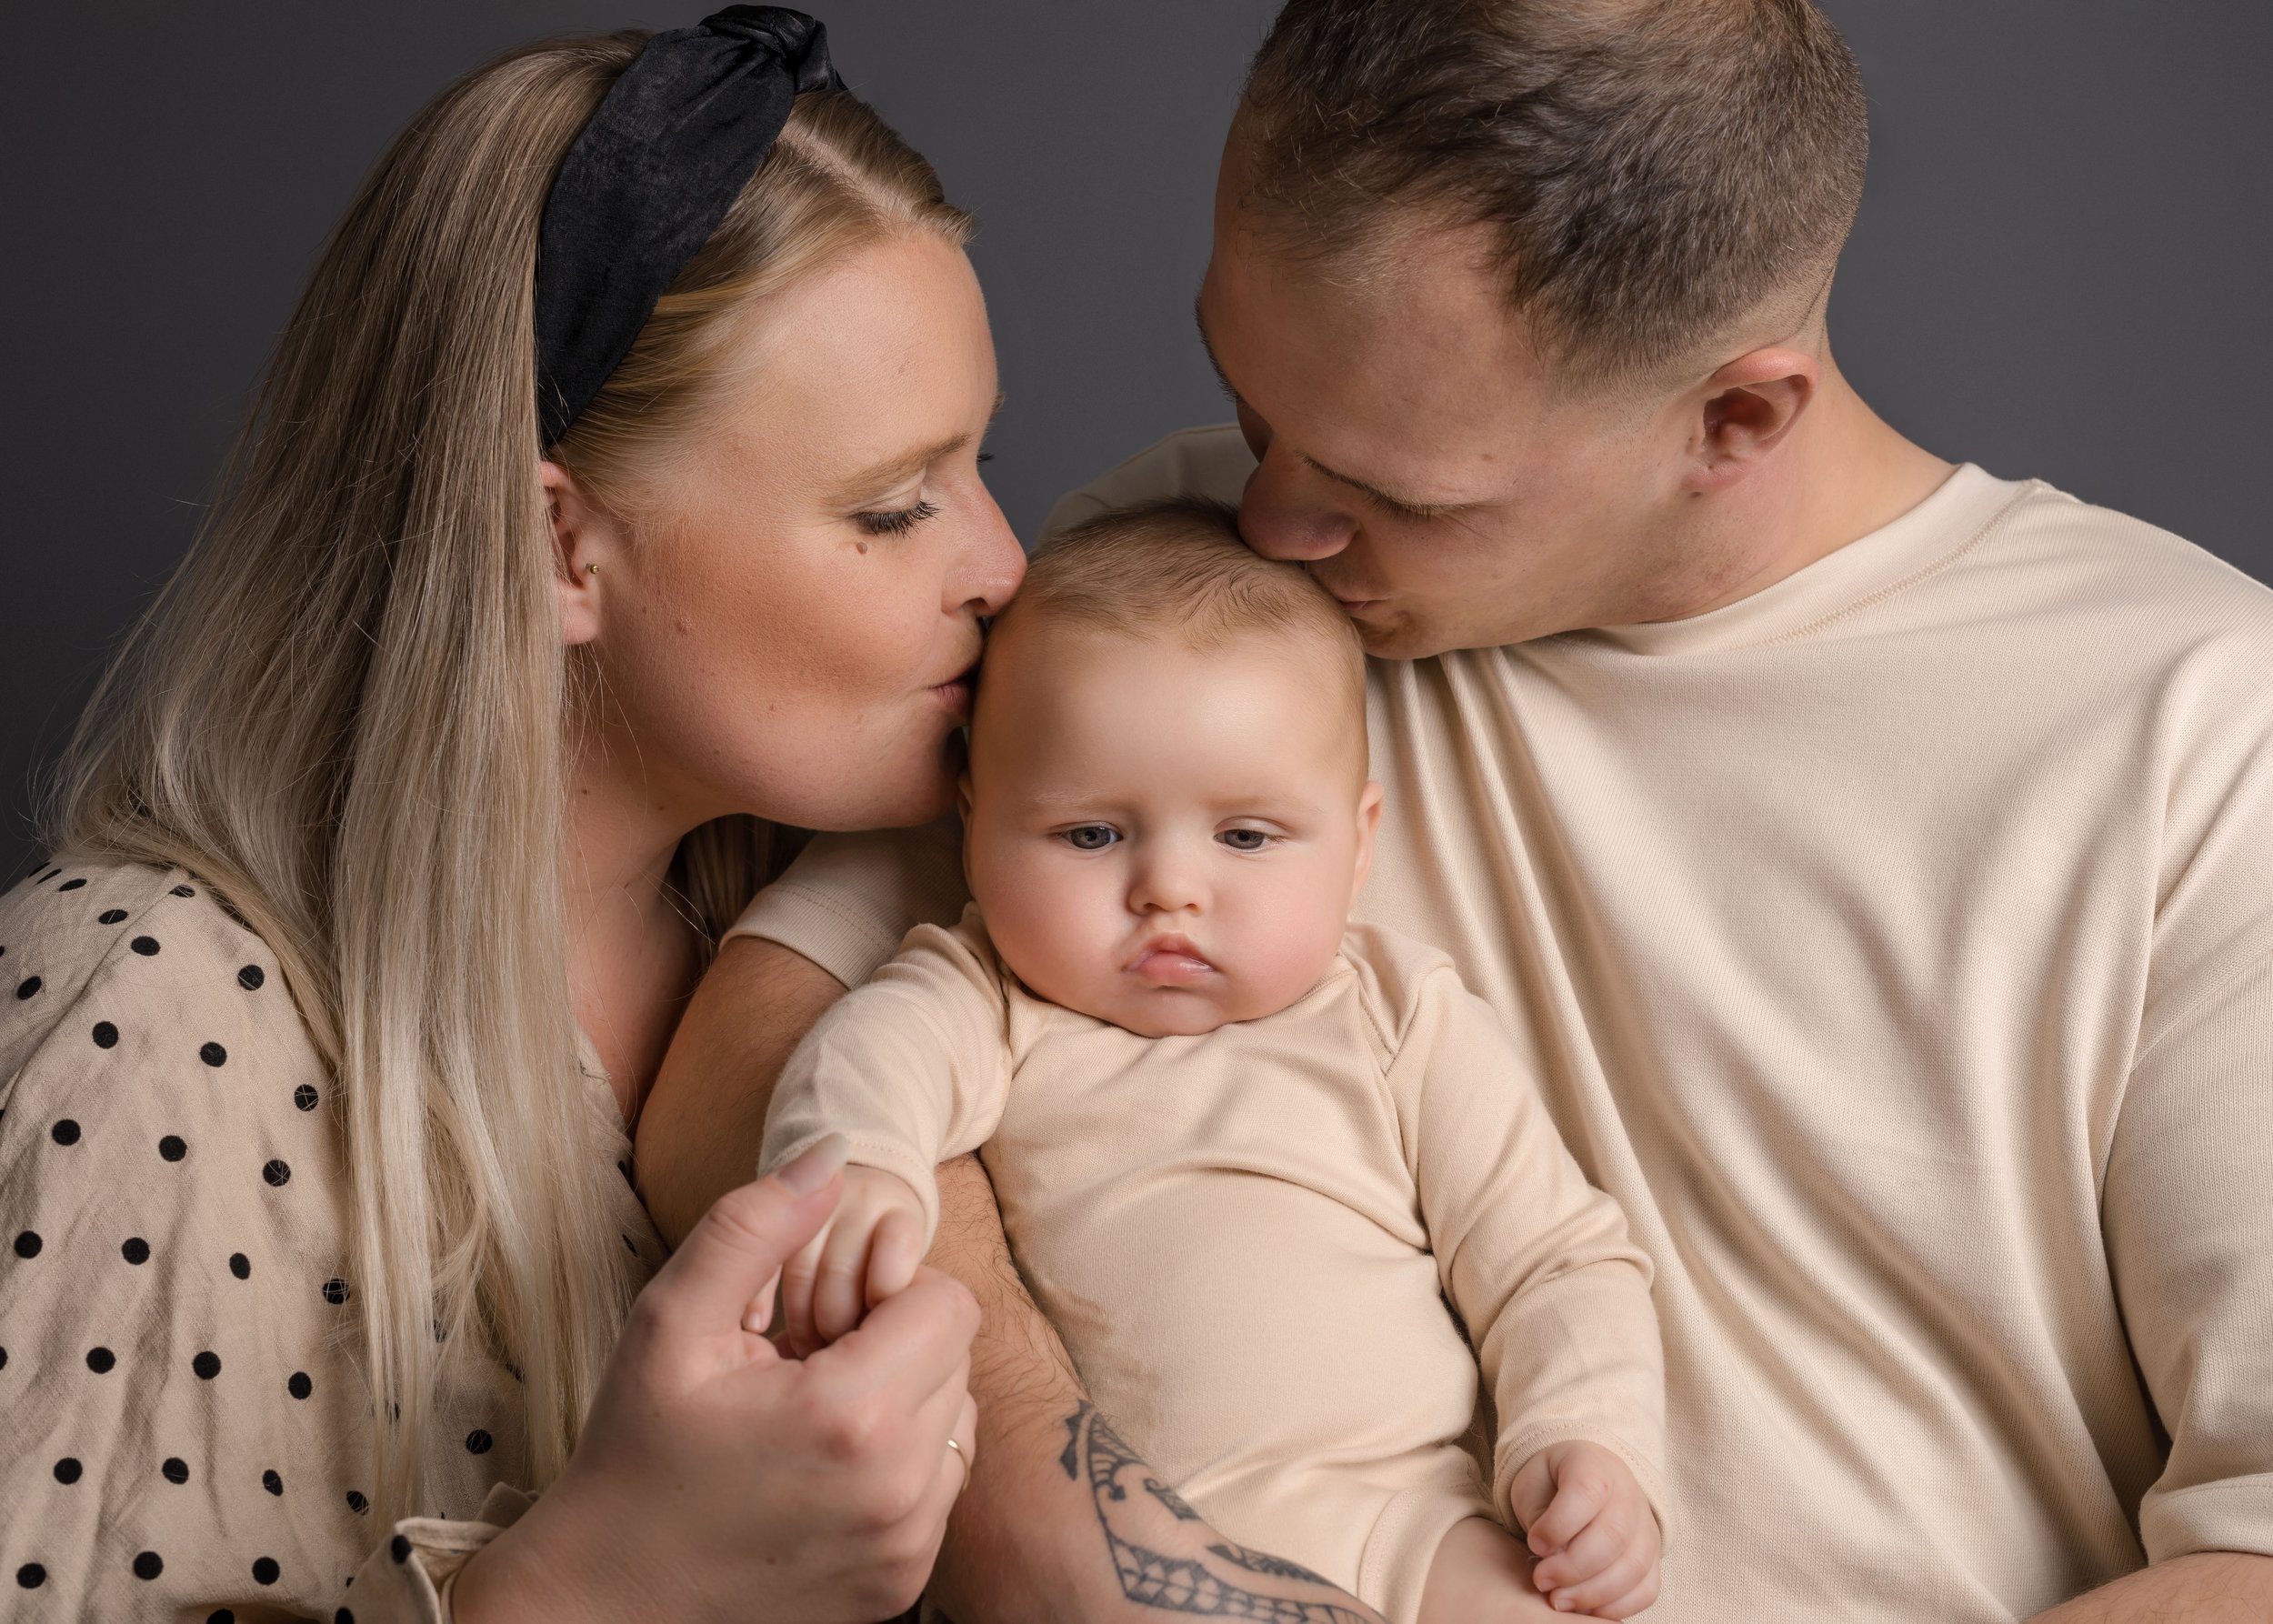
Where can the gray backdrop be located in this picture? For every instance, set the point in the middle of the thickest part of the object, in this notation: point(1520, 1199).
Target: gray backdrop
point(2060, 270)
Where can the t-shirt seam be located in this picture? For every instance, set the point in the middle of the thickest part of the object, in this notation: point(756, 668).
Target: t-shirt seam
point(2252, 966)
point(1922, 574)
point(837, 910)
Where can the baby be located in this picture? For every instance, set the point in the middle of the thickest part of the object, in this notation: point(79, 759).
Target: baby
point(1244, 1150)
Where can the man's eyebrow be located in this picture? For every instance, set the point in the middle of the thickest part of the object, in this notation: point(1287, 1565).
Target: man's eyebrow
point(880, 476)
point(1426, 510)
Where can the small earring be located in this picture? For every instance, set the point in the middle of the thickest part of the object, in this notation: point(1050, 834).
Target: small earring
point(592, 569)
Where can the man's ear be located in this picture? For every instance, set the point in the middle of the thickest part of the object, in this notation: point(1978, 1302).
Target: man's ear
point(1744, 411)
point(1368, 821)
point(584, 542)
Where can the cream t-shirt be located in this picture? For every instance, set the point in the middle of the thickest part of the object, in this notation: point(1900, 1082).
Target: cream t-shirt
point(1896, 947)
point(1248, 1237)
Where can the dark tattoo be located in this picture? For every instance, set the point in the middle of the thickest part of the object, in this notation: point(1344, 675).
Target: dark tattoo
point(1175, 1584)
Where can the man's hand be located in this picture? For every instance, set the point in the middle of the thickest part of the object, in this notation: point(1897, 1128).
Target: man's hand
point(1587, 1521)
point(869, 1249)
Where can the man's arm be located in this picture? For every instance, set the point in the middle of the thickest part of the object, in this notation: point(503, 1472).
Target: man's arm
point(1061, 1520)
point(2210, 1587)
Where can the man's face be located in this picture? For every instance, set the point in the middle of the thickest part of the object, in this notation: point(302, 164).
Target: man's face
point(1413, 457)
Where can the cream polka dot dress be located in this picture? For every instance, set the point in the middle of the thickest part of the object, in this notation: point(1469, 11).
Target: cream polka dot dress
point(183, 1431)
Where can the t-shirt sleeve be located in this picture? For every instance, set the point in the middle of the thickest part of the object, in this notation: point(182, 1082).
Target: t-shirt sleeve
point(848, 901)
point(1537, 1261)
point(2184, 1207)
point(912, 1068)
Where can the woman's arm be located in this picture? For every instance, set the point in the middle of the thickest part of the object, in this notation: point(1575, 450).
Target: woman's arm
point(1060, 1520)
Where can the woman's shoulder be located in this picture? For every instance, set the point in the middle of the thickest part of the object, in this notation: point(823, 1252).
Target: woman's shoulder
point(148, 959)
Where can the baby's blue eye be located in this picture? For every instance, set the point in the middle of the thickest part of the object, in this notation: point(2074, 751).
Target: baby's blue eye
point(1244, 839)
point(1090, 836)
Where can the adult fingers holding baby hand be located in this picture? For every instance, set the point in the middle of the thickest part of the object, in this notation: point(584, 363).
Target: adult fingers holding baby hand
point(717, 1479)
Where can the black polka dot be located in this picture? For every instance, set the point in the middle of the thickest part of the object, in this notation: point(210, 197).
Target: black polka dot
point(72, 884)
point(631, 1245)
point(399, 1548)
point(250, 978)
point(477, 1442)
point(49, 875)
point(342, 1616)
point(213, 1054)
point(135, 1250)
point(67, 1469)
point(334, 1291)
point(111, 915)
point(175, 1470)
point(271, 1481)
point(264, 1570)
point(3, 1359)
point(278, 1173)
point(207, 1365)
point(65, 1132)
point(357, 1503)
point(145, 945)
point(240, 1265)
point(27, 987)
point(306, 1096)
point(105, 1035)
point(28, 1244)
point(185, 891)
point(173, 1148)
point(221, 1615)
point(299, 1386)
point(148, 1564)
point(100, 1360)
point(31, 1576)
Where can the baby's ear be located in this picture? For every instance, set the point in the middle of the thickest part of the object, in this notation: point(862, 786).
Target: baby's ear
point(1369, 820)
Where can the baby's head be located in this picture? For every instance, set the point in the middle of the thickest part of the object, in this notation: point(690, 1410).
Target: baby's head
point(1167, 814)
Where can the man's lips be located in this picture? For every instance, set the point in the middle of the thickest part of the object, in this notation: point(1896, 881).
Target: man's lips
point(1169, 961)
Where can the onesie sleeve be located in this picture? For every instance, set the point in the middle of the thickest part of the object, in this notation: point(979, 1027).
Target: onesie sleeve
point(1537, 1261)
point(912, 1068)
point(180, 1426)
point(2183, 1208)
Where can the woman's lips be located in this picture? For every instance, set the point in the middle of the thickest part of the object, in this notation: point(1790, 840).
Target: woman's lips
point(955, 692)
point(1169, 961)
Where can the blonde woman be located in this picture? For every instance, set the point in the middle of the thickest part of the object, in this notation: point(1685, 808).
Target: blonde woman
point(611, 500)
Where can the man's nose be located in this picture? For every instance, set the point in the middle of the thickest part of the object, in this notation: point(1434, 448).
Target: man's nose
point(1283, 514)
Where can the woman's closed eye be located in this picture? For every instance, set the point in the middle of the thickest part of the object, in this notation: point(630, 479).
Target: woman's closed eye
point(1090, 836)
point(896, 521)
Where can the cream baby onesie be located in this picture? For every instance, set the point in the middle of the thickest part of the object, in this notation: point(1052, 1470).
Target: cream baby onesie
point(1246, 1238)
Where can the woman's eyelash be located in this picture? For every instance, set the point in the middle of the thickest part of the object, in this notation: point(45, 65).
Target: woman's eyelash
point(896, 521)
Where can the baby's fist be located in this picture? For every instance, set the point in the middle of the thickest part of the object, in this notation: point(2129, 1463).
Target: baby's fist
point(869, 1249)
point(1587, 1521)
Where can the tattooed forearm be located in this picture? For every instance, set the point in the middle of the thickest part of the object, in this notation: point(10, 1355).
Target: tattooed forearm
point(1095, 1452)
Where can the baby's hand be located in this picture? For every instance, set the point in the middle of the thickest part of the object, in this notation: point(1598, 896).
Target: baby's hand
point(869, 1249)
point(1591, 1527)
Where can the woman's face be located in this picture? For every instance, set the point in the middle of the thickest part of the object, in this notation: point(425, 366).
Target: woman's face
point(788, 628)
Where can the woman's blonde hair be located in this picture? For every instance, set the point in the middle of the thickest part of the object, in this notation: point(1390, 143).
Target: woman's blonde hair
point(349, 710)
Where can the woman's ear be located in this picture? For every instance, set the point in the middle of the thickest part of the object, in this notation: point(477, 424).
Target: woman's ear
point(583, 541)
point(1368, 821)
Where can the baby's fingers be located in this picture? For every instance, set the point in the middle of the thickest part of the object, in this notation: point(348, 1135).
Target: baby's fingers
point(839, 1287)
point(894, 1254)
point(797, 1278)
point(1629, 1567)
point(1578, 1497)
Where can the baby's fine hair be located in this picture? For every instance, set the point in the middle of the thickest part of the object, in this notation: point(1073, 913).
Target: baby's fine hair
point(1179, 568)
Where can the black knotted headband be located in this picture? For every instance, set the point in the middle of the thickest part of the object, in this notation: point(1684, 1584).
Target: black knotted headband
point(648, 180)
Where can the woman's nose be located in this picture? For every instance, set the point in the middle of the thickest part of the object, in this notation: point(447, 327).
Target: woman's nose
point(992, 564)
point(1284, 513)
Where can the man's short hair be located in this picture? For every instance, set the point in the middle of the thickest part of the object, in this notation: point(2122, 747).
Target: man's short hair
point(1649, 173)
point(1179, 568)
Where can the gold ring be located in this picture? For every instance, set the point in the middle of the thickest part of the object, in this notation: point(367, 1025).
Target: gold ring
point(964, 1461)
